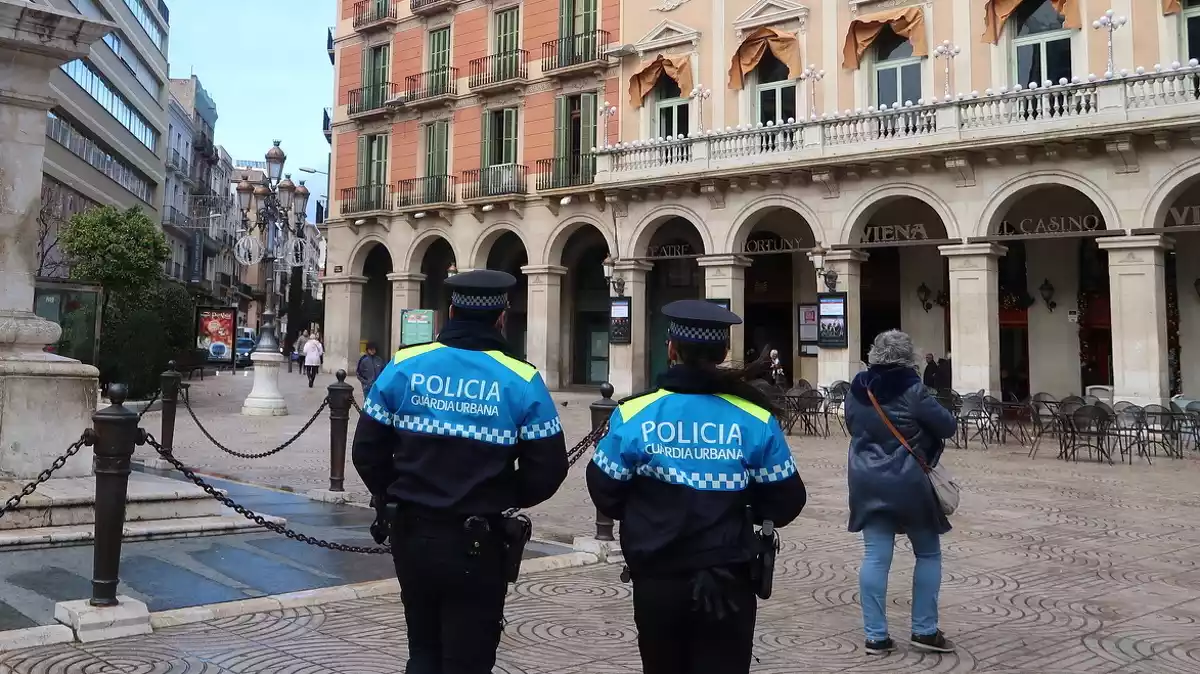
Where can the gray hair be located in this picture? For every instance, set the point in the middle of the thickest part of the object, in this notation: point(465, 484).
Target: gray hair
point(892, 348)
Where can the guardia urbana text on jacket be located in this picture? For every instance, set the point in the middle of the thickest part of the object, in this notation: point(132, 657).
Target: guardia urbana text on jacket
point(455, 394)
point(699, 440)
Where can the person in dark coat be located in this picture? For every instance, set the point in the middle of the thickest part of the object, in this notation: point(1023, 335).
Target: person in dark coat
point(370, 365)
point(889, 491)
point(945, 374)
point(931, 377)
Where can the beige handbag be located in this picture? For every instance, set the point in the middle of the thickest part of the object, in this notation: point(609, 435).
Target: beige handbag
point(944, 487)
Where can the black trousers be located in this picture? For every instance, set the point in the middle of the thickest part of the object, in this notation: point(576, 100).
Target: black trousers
point(311, 371)
point(676, 639)
point(453, 601)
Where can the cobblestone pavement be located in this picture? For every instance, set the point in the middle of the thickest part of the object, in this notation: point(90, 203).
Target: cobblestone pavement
point(1052, 568)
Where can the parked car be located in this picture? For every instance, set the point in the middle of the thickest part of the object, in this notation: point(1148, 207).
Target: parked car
point(245, 347)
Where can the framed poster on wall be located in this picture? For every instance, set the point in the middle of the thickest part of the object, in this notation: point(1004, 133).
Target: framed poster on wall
point(806, 329)
point(831, 321)
point(416, 326)
point(216, 334)
point(620, 327)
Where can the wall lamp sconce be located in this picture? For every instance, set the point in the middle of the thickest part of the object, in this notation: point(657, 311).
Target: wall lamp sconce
point(829, 276)
point(1047, 291)
point(616, 282)
point(923, 295)
point(942, 299)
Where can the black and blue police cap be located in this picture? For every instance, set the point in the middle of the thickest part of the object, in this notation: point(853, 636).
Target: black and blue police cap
point(699, 322)
point(480, 289)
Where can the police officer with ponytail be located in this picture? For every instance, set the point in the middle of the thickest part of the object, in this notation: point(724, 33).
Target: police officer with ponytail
point(453, 434)
point(688, 469)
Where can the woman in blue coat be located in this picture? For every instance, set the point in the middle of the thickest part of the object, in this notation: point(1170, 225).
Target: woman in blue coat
point(889, 491)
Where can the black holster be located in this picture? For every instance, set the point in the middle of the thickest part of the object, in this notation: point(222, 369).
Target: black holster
point(762, 571)
point(516, 530)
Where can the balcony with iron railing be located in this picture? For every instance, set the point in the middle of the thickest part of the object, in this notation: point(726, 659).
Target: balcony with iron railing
point(499, 72)
point(431, 87)
point(327, 124)
point(562, 172)
point(371, 14)
point(370, 100)
point(429, 191)
point(329, 47)
point(574, 53)
point(175, 219)
point(494, 183)
point(173, 160)
point(366, 198)
point(940, 129)
point(428, 7)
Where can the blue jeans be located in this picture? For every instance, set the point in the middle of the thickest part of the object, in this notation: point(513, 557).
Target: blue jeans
point(879, 541)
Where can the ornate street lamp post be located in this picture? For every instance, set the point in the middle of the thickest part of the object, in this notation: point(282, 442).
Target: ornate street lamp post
point(272, 223)
point(1110, 23)
point(948, 51)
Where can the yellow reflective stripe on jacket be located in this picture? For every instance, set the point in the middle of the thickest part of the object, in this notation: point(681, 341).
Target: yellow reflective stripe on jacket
point(746, 406)
point(411, 351)
point(630, 408)
point(524, 370)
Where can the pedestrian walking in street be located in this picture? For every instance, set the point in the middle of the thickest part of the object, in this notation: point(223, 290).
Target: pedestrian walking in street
point(313, 350)
point(298, 353)
point(369, 367)
point(890, 492)
point(688, 469)
point(454, 433)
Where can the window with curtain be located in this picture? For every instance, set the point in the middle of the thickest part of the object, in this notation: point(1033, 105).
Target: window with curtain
point(373, 171)
point(897, 71)
point(1041, 45)
point(670, 109)
point(774, 93)
point(1191, 29)
point(500, 137)
point(574, 137)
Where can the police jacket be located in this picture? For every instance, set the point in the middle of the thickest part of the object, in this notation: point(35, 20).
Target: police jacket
point(687, 469)
point(447, 424)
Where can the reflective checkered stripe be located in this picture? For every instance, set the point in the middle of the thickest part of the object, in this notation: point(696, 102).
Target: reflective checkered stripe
point(542, 430)
point(416, 424)
point(377, 412)
point(690, 333)
point(774, 473)
point(611, 468)
point(701, 481)
point(479, 301)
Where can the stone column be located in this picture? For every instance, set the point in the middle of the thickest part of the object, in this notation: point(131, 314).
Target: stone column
point(835, 365)
point(627, 362)
point(406, 294)
point(343, 322)
point(725, 278)
point(34, 40)
point(1138, 300)
point(543, 320)
point(975, 316)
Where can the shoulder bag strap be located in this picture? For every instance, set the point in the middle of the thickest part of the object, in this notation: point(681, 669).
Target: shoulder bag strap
point(888, 422)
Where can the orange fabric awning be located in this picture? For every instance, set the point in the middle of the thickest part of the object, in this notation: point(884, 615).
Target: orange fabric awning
point(678, 68)
point(908, 23)
point(785, 46)
point(996, 12)
point(1172, 7)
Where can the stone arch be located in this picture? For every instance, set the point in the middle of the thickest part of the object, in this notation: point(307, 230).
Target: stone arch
point(869, 203)
point(998, 205)
point(421, 243)
point(483, 245)
point(358, 256)
point(557, 241)
point(650, 223)
point(1164, 195)
point(747, 219)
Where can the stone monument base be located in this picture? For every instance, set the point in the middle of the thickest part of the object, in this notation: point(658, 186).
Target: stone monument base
point(46, 402)
point(265, 399)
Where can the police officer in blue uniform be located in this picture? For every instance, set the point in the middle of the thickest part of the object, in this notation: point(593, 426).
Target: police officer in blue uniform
point(688, 469)
point(454, 433)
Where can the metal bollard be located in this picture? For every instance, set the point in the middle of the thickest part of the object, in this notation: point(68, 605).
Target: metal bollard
point(170, 385)
point(602, 409)
point(116, 434)
point(340, 394)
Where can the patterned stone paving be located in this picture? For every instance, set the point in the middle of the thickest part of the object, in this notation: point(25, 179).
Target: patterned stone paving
point(1052, 568)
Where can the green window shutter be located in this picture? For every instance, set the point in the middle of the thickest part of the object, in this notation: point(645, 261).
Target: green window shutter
point(507, 44)
point(587, 14)
point(510, 135)
point(485, 142)
point(442, 130)
point(367, 71)
point(361, 177)
point(587, 122)
point(566, 19)
point(562, 126)
point(379, 160)
point(439, 49)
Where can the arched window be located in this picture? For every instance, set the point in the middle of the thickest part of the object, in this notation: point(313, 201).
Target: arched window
point(775, 93)
point(1191, 29)
point(670, 109)
point(1041, 46)
point(897, 71)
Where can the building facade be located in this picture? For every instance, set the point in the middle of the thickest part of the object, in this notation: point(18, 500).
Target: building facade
point(990, 177)
point(107, 128)
point(177, 206)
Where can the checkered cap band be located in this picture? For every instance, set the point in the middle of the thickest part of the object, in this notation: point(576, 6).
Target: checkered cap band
point(483, 302)
point(689, 333)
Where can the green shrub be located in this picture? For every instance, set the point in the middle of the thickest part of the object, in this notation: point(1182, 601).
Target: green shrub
point(143, 331)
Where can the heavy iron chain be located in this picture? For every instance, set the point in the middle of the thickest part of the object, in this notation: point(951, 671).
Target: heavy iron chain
point(149, 403)
point(148, 439)
point(187, 403)
point(87, 439)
